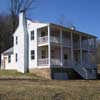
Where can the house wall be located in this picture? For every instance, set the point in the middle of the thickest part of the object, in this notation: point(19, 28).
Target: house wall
point(6, 65)
point(25, 44)
point(33, 43)
point(21, 48)
point(2, 61)
point(32, 46)
point(11, 65)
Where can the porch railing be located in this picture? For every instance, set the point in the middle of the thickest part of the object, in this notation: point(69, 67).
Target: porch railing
point(83, 45)
point(67, 63)
point(88, 65)
point(66, 43)
point(54, 39)
point(85, 64)
point(43, 62)
point(55, 62)
point(42, 40)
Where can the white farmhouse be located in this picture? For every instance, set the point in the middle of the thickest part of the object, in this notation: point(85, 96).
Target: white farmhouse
point(51, 50)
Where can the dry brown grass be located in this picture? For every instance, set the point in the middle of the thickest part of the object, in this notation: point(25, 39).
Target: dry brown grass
point(41, 89)
point(50, 90)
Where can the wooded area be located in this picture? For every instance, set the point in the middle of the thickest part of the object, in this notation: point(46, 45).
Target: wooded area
point(6, 32)
point(9, 21)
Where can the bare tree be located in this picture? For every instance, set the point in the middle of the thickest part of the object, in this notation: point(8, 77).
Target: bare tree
point(16, 6)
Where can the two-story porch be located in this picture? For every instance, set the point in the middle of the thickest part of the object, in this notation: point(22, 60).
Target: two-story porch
point(54, 47)
point(84, 50)
point(60, 47)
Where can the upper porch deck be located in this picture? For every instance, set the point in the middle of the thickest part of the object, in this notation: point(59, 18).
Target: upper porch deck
point(65, 38)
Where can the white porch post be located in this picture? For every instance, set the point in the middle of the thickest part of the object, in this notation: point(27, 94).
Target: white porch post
point(72, 56)
point(95, 47)
point(88, 51)
point(61, 47)
point(49, 47)
point(80, 49)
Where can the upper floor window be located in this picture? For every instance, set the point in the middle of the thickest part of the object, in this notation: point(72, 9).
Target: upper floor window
point(32, 35)
point(52, 53)
point(16, 57)
point(9, 58)
point(43, 33)
point(32, 54)
point(16, 40)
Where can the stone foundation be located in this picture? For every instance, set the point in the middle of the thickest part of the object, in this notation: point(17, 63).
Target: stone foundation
point(98, 68)
point(48, 73)
point(42, 72)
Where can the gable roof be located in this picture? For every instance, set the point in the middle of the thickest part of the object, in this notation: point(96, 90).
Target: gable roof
point(76, 31)
point(68, 29)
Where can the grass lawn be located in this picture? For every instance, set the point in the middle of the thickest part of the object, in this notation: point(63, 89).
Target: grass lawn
point(15, 74)
point(49, 89)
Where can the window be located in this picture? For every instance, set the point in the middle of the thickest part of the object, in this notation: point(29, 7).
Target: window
point(65, 56)
point(16, 57)
point(43, 54)
point(9, 58)
point(43, 33)
point(52, 53)
point(32, 54)
point(32, 35)
point(16, 40)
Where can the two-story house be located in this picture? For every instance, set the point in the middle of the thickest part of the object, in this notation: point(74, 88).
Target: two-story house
point(51, 50)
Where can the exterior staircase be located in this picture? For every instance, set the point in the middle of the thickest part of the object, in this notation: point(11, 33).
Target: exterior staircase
point(84, 71)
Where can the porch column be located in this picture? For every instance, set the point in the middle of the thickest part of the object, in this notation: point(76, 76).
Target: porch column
point(49, 47)
point(61, 46)
point(88, 51)
point(95, 48)
point(80, 49)
point(72, 54)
